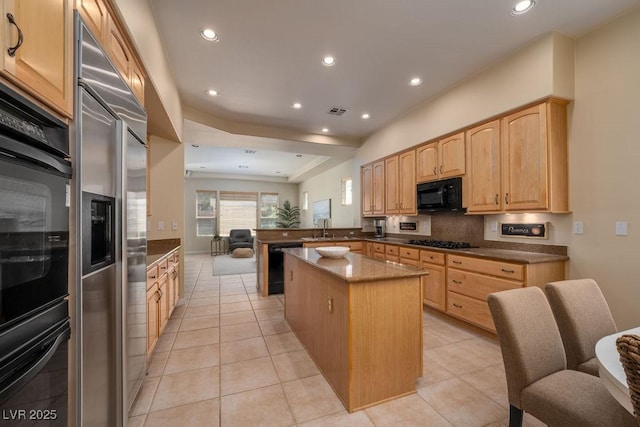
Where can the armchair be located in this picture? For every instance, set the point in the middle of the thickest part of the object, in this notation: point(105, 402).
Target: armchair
point(240, 238)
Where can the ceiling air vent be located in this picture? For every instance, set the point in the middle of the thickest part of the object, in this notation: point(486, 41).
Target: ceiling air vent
point(337, 111)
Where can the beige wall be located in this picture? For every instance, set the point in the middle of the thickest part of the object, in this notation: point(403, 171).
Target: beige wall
point(166, 164)
point(604, 153)
point(328, 185)
point(194, 244)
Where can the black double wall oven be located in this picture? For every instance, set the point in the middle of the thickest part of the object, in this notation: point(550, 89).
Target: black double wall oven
point(34, 258)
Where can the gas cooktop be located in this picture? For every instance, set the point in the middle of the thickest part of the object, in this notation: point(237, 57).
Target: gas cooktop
point(444, 244)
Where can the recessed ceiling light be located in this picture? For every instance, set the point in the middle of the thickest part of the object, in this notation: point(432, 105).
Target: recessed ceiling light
point(243, 167)
point(213, 92)
point(278, 172)
point(329, 61)
point(250, 151)
point(209, 35)
point(296, 106)
point(523, 6)
point(416, 81)
point(325, 130)
point(195, 145)
point(365, 116)
point(298, 155)
point(203, 167)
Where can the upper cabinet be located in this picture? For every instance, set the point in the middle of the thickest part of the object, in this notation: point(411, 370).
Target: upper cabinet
point(400, 184)
point(104, 26)
point(483, 168)
point(372, 180)
point(529, 153)
point(95, 15)
point(441, 159)
point(37, 40)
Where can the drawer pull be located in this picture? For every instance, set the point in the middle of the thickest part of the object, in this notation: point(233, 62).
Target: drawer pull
point(457, 282)
point(507, 271)
point(456, 262)
point(457, 305)
point(330, 304)
point(152, 277)
point(163, 267)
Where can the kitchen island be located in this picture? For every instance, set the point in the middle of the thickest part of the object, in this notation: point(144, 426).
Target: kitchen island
point(360, 319)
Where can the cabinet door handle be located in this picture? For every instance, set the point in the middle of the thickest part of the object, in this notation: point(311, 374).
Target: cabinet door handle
point(12, 50)
point(441, 169)
point(158, 296)
point(290, 274)
point(456, 262)
point(457, 282)
point(435, 172)
point(507, 271)
point(497, 198)
point(330, 304)
point(506, 198)
point(457, 305)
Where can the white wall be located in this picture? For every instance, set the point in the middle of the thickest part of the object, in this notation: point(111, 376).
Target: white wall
point(328, 185)
point(194, 244)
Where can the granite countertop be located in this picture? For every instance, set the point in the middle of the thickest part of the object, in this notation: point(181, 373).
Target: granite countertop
point(355, 267)
point(488, 253)
point(154, 257)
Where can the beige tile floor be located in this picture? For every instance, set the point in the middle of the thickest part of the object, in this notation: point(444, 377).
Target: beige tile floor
point(228, 358)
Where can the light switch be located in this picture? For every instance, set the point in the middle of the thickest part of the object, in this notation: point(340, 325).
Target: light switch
point(174, 225)
point(578, 227)
point(494, 225)
point(621, 228)
point(160, 225)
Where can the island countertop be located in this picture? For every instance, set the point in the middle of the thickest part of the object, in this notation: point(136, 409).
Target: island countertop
point(355, 267)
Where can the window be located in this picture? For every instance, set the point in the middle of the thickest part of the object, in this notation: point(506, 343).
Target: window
point(237, 210)
point(347, 190)
point(205, 213)
point(305, 201)
point(268, 210)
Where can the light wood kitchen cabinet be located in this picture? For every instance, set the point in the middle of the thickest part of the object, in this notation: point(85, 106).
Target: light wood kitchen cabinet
point(379, 250)
point(162, 295)
point(483, 166)
point(534, 158)
point(521, 165)
point(441, 159)
point(400, 184)
point(95, 15)
point(104, 26)
point(38, 50)
point(392, 253)
point(153, 297)
point(471, 279)
point(434, 287)
point(409, 256)
point(372, 178)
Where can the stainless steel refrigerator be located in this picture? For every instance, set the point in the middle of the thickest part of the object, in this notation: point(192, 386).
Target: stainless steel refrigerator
point(110, 127)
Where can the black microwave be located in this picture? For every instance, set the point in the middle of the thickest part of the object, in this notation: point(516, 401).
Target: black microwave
point(444, 195)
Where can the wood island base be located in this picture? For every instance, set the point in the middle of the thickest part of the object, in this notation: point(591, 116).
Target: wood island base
point(363, 331)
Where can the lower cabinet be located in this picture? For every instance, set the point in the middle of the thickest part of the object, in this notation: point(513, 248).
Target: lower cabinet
point(470, 280)
point(163, 287)
point(434, 286)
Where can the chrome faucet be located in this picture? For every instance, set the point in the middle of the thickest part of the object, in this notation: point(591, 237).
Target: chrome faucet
point(325, 222)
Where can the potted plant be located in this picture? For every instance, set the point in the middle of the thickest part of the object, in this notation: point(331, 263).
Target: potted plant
point(216, 237)
point(289, 216)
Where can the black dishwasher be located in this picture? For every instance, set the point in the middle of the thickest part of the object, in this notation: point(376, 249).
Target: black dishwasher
point(276, 266)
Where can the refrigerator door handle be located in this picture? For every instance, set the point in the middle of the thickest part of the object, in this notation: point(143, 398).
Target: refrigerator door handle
point(16, 381)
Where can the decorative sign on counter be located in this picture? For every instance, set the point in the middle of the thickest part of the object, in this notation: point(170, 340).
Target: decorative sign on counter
point(408, 226)
point(537, 230)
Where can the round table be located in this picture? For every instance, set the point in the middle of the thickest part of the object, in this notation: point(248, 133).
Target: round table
point(610, 368)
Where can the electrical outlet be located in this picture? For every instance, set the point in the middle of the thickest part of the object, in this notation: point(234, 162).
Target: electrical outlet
point(494, 226)
point(578, 227)
point(161, 225)
point(621, 228)
point(174, 225)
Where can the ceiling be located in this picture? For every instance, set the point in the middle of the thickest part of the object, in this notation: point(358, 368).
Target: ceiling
point(269, 56)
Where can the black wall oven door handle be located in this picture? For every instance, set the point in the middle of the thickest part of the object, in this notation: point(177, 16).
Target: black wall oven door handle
point(42, 351)
point(26, 153)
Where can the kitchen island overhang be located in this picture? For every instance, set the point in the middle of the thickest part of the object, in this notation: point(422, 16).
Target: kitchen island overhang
point(360, 320)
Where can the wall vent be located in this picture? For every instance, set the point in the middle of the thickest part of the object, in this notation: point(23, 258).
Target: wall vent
point(337, 111)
